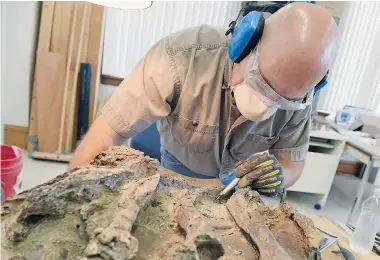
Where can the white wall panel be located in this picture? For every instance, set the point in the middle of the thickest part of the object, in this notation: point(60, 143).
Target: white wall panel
point(19, 27)
point(355, 75)
point(130, 33)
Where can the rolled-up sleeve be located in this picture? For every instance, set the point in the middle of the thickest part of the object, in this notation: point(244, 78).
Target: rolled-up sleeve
point(142, 98)
point(293, 143)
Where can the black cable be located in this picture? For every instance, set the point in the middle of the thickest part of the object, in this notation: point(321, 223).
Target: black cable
point(272, 8)
point(247, 8)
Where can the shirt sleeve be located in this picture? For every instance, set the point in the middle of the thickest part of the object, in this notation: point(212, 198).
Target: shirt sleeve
point(293, 141)
point(142, 98)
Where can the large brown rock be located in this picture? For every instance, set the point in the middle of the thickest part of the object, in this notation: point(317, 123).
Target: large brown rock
point(124, 206)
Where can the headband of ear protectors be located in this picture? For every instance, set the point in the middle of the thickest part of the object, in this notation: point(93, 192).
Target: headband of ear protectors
point(322, 83)
point(247, 33)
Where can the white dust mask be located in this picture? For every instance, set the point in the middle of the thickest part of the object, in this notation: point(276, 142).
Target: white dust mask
point(250, 105)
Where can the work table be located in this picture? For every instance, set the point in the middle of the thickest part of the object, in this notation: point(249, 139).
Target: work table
point(319, 221)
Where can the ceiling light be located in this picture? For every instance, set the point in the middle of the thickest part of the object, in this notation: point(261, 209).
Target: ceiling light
point(125, 5)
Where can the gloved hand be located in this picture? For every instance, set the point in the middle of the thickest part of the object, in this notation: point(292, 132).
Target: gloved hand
point(262, 172)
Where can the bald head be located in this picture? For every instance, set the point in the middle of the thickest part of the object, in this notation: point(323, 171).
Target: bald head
point(297, 48)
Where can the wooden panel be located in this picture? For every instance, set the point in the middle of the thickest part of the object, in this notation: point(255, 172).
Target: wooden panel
point(51, 156)
point(86, 32)
point(73, 60)
point(94, 53)
point(16, 135)
point(62, 136)
point(77, 57)
point(46, 23)
point(61, 32)
point(70, 33)
point(61, 27)
point(49, 78)
point(348, 167)
point(111, 80)
point(82, 59)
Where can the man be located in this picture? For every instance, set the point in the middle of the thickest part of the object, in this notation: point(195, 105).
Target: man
point(212, 113)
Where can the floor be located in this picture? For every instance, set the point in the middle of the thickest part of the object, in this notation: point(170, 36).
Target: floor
point(339, 202)
point(338, 205)
point(36, 172)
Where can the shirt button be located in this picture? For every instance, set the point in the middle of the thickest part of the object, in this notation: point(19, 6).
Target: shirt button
point(195, 123)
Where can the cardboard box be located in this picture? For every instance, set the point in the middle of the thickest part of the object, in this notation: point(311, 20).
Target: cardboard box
point(371, 124)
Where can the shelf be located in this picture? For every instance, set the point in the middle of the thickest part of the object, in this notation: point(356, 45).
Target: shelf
point(332, 135)
point(319, 144)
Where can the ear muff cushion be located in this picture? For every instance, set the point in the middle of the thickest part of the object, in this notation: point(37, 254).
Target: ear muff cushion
point(246, 35)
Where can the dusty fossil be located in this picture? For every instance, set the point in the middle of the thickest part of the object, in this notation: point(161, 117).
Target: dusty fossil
point(124, 206)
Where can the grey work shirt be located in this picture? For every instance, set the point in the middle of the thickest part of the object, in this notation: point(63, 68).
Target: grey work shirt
point(182, 84)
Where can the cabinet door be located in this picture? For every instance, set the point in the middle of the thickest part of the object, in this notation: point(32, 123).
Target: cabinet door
point(318, 173)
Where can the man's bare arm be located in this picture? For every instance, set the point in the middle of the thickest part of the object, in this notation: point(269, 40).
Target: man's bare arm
point(100, 137)
point(292, 170)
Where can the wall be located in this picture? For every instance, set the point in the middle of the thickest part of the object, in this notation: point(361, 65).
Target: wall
point(355, 74)
point(103, 91)
point(125, 42)
point(19, 27)
point(130, 33)
point(1, 70)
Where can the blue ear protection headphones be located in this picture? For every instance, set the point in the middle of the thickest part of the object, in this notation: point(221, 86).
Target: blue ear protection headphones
point(247, 33)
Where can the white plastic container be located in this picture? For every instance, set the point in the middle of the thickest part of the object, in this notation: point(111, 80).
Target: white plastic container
point(368, 224)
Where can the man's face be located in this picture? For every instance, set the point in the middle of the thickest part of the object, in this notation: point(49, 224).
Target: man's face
point(255, 98)
point(295, 52)
point(291, 81)
point(272, 75)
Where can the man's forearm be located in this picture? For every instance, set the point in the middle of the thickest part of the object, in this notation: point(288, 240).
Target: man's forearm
point(99, 138)
point(292, 170)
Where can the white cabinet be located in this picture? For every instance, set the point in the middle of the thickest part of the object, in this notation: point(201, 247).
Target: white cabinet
point(316, 173)
point(321, 164)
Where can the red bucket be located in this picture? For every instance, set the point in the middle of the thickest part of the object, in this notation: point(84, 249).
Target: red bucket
point(11, 165)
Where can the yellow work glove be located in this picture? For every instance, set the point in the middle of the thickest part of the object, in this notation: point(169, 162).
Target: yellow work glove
point(262, 172)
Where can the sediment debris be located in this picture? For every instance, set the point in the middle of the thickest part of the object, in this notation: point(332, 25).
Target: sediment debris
point(124, 206)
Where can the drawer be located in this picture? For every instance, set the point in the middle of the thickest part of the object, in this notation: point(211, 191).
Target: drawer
point(318, 173)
